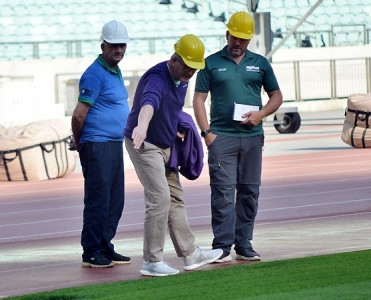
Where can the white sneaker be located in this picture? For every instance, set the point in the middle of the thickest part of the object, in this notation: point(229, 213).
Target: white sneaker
point(201, 257)
point(157, 268)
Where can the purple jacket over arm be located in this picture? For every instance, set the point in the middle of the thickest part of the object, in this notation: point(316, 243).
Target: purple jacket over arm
point(187, 155)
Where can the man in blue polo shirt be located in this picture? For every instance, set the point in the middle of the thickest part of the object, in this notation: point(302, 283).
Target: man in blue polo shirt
point(98, 122)
point(234, 76)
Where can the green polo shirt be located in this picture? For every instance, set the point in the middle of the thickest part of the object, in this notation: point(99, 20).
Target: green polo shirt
point(229, 83)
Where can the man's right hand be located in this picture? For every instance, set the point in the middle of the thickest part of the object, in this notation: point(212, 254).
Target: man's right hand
point(139, 135)
point(73, 145)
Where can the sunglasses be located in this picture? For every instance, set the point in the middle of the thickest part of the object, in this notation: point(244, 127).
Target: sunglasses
point(185, 67)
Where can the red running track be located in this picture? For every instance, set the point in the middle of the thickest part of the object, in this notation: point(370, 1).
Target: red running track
point(315, 199)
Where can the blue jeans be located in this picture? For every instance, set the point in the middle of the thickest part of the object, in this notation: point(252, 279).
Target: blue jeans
point(235, 166)
point(103, 169)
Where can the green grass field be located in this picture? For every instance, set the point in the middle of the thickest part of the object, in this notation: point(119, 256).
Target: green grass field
point(338, 276)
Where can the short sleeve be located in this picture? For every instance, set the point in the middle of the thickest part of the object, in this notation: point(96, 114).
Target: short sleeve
point(89, 88)
point(203, 80)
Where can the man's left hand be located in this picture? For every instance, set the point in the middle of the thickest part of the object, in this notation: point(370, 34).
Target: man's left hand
point(252, 118)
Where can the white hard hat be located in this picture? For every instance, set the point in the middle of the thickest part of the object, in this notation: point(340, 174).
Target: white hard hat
point(115, 32)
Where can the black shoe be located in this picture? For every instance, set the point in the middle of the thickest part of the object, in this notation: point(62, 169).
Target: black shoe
point(119, 259)
point(224, 258)
point(248, 254)
point(96, 261)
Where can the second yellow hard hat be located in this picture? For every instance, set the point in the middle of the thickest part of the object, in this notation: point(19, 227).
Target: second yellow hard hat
point(241, 25)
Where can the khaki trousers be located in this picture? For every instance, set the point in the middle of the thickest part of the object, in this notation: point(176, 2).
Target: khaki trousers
point(163, 197)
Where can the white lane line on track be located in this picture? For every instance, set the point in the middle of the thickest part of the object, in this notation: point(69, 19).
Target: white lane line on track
point(201, 217)
point(80, 207)
point(190, 218)
point(314, 205)
point(189, 195)
point(288, 173)
point(283, 170)
point(349, 180)
point(312, 218)
point(295, 194)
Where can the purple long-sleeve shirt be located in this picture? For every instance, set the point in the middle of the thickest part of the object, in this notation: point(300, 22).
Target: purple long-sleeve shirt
point(157, 88)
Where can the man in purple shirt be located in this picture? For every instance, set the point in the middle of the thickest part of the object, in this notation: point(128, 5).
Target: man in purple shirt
point(150, 132)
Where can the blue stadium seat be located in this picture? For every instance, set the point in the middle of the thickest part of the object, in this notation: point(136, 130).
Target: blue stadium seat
point(45, 20)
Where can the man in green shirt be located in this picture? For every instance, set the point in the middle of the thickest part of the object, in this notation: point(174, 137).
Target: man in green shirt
point(234, 76)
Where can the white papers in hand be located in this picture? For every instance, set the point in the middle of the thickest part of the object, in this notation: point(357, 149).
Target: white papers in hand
point(240, 109)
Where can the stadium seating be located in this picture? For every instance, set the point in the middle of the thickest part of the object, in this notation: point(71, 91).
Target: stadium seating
point(24, 22)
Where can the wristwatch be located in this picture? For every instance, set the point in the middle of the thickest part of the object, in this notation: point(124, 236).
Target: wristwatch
point(205, 132)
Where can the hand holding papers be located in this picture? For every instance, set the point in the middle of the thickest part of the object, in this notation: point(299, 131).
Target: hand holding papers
point(240, 109)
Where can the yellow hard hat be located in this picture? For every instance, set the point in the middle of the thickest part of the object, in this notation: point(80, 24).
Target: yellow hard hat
point(191, 49)
point(241, 25)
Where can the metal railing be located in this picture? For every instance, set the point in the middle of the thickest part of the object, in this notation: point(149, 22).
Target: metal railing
point(323, 79)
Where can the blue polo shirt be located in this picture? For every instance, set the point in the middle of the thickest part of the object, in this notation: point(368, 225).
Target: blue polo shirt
point(157, 88)
point(229, 83)
point(103, 89)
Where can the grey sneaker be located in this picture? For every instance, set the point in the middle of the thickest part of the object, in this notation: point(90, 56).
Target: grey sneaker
point(201, 257)
point(224, 258)
point(248, 254)
point(157, 268)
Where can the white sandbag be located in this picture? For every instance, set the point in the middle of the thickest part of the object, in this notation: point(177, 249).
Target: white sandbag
point(356, 128)
point(36, 151)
